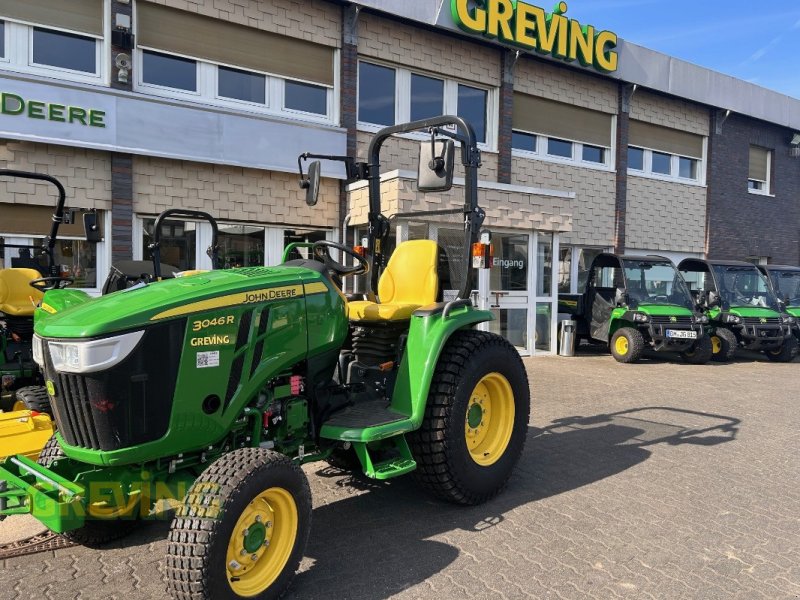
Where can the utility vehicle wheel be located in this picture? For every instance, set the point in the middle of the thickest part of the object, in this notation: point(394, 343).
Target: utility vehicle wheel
point(723, 345)
point(241, 530)
point(785, 353)
point(627, 345)
point(476, 419)
point(95, 532)
point(700, 353)
point(35, 397)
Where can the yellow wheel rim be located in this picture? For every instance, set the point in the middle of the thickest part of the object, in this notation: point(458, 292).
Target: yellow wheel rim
point(489, 420)
point(18, 405)
point(716, 344)
point(261, 542)
point(621, 345)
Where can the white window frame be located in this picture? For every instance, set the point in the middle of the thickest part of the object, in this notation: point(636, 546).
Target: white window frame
point(18, 50)
point(766, 189)
point(207, 91)
point(577, 151)
point(674, 175)
point(402, 101)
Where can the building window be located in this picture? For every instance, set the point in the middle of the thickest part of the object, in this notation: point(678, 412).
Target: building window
point(64, 43)
point(389, 95)
point(758, 176)
point(169, 71)
point(594, 154)
point(527, 143)
point(241, 85)
point(664, 153)
point(523, 141)
point(556, 147)
point(305, 97)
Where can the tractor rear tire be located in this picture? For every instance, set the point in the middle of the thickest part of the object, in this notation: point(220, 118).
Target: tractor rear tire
point(476, 419)
point(241, 530)
point(723, 345)
point(627, 345)
point(700, 353)
point(785, 353)
point(93, 533)
point(35, 398)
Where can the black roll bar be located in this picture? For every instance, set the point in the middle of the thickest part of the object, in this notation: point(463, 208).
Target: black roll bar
point(155, 246)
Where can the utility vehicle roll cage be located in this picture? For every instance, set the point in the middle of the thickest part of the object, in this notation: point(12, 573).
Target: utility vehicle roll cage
point(378, 224)
point(155, 246)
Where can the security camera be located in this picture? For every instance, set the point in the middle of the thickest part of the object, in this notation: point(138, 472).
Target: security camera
point(123, 63)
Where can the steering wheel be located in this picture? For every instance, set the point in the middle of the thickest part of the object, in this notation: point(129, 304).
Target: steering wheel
point(51, 283)
point(321, 253)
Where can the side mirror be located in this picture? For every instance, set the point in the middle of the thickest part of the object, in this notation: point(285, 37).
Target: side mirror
point(91, 228)
point(620, 297)
point(713, 299)
point(436, 165)
point(701, 299)
point(311, 183)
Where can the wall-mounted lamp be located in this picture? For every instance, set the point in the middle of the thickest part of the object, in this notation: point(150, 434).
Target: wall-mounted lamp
point(795, 140)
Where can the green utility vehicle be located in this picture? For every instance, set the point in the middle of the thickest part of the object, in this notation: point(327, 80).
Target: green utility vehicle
point(636, 302)
point(785, 282)
point(742, 308)
point(213, 389)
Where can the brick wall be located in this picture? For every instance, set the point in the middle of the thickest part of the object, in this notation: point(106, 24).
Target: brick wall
point(669, 112)
point(85, 174)
point(312, 20)
point(743, 224)
point(227, 192)
point(665, 215)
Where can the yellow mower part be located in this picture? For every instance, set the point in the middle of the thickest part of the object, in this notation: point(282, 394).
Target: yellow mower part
point(17, 297)
point(24, 432)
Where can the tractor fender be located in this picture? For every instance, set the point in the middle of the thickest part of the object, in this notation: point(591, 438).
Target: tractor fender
point(428, 333)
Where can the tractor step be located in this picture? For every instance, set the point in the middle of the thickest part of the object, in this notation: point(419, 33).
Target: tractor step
point(366, 422)
point(399, 464)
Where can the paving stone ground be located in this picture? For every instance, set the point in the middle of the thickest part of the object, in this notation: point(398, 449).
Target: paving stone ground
point(655, 480)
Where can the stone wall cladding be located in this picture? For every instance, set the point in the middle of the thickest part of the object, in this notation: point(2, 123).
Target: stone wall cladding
point(437, 53)
point(593, 207)
point(230, 193)
point(312, 20)
point(662, 215)
point(743, 224)
point(85, 174)
point(562, 84)
point(504, 209)
point(669, 112)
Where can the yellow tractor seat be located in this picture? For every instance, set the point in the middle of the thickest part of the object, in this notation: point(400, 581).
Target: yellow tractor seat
point(409, 282)
point(17, 297)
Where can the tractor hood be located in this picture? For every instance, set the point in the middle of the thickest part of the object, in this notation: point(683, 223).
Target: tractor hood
point(753, 312)
point(664, 310)
point(137, 307)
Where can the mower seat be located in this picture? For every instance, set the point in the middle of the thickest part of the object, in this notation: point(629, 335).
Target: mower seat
point(17, 297)
point(409, 281)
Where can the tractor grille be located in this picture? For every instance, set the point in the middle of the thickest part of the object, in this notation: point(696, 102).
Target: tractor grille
point(662, 320)
point(760, 321)
point(126, 405)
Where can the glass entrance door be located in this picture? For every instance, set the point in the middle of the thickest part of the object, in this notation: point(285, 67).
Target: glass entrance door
point(509, 290)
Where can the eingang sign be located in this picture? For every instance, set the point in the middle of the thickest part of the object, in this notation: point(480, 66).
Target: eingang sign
point(530, 27)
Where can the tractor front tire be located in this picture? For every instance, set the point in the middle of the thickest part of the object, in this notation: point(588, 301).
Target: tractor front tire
point(785, 353)
point(723, 345)
point(35, 398)
point(627, 345)
point(700, 353)
point(94, 533)
point(241, 530)
point(476, 419)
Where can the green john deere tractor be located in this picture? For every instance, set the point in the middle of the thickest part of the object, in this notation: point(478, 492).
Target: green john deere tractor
point(742, 308)
point(785, 281)
point(212, 390)
point(633, 303)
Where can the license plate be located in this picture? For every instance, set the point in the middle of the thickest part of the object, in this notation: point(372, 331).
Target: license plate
point(681, 334)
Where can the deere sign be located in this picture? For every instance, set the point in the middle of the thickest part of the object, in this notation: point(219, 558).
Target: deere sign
point(16, 105)
point(529, 27)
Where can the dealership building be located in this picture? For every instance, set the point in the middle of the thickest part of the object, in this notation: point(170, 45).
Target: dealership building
point(589, 143)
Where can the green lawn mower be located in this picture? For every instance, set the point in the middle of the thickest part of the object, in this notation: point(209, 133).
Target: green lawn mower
point(213, 389)
point(742, 307)
point(785, 281)
point(633, 303)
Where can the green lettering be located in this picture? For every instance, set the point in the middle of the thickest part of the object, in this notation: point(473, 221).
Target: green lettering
point(471, 21)
point(7, 104)
point(499, 17)
point(525, 25)
point(55, 112)
point(77, 114)
point(605, 59)
point(581, 43)
point(96, 118)
point(36, 109)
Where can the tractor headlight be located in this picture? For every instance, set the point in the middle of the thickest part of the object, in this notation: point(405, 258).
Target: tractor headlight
point(789, 320)
point(38, 354)
point(733, 318)
point(702, 319)
point(640, 317)
point(93, 355)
